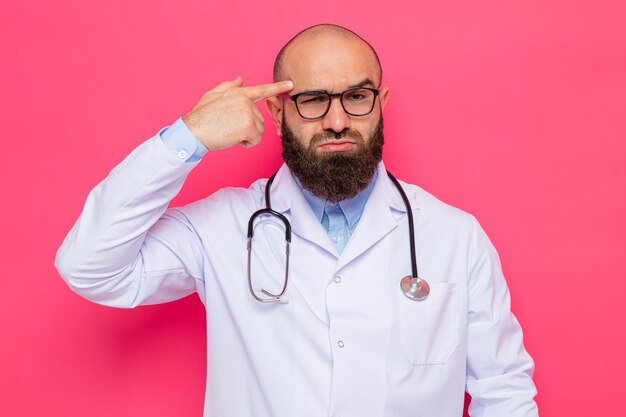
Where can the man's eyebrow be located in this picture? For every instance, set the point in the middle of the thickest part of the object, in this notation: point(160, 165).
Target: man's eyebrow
point(363, 83)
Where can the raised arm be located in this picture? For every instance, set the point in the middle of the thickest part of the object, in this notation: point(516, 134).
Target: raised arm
point(125, 249)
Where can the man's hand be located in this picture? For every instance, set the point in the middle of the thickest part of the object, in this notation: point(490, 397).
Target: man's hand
point(227, 115)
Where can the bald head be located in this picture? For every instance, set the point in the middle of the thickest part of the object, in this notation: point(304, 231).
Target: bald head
point(324, 34)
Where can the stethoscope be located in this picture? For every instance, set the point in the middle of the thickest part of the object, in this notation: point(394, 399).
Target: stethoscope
point(412, 285)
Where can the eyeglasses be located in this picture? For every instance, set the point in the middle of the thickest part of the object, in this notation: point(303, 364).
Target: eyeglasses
point(311, 105)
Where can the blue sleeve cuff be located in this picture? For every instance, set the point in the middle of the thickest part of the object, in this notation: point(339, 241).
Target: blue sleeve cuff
point(179, 139)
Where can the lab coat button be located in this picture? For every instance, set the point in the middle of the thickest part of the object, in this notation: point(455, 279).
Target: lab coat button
point(182, 154)
point(340, 343)
point(337, 279)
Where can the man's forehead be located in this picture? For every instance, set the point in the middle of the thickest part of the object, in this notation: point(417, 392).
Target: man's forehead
point(325, 62)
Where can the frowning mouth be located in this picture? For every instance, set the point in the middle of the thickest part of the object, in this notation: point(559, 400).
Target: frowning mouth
point(337, 145)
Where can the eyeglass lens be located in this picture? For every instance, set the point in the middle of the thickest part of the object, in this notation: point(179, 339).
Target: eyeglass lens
point(357, 102)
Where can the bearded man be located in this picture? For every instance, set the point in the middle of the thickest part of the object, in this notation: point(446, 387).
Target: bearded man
point(324, 313)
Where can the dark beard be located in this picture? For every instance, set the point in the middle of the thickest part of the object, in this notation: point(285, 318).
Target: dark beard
point(333, 176)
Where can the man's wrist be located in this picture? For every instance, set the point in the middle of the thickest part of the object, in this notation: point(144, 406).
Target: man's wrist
point(179, 139)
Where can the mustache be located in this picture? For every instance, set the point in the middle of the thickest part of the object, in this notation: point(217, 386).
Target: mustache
point(329, 135)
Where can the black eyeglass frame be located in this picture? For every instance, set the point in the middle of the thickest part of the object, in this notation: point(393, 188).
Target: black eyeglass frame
point(294, 98)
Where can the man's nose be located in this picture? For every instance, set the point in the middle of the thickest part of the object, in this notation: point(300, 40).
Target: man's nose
point(336, 119)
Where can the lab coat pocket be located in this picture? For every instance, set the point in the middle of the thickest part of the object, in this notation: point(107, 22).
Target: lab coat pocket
point(429, 329)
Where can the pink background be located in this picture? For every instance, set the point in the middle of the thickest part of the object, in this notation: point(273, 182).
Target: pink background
point(511, 110)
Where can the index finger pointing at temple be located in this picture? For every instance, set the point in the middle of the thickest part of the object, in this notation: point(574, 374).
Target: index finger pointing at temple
point(262, 91)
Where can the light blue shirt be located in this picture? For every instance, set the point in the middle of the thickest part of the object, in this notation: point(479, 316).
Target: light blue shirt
point(179, 139)
point(338, 219)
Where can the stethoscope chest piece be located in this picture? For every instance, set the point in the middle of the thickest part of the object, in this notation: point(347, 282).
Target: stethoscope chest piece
point(415, 288)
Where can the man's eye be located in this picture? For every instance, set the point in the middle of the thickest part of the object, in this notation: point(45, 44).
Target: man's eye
point(356, 97)
point(317, 99)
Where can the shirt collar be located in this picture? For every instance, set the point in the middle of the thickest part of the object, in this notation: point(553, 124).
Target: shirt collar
point(352, 208)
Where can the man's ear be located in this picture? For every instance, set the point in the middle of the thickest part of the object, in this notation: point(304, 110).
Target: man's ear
point(275, 108)
point(383, 96)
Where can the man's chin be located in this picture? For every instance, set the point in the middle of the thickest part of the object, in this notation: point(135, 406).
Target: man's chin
point(334, 172)
point(335, 155)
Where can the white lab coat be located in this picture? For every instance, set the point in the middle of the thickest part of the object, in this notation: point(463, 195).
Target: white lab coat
point(349, 343)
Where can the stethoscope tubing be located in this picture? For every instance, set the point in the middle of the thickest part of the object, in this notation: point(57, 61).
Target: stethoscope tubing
point(412, 286)
point(409, 213)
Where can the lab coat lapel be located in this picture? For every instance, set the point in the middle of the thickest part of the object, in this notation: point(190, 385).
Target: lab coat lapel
point(377, 219)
